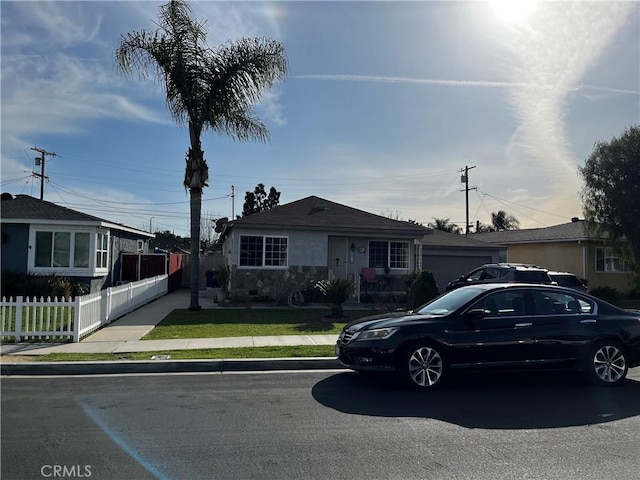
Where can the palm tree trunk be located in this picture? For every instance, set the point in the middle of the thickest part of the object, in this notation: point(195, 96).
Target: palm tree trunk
point(195, 195)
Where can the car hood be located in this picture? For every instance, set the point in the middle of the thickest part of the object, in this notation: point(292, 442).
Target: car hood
point(391, 319)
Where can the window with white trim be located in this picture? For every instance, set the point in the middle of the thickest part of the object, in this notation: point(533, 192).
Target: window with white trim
point(388, 254)
point(61, 249)
point(610, 259)
point(102, 250)
point(263, 251)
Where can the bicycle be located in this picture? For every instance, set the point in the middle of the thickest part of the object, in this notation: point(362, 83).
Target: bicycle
point(295, 299)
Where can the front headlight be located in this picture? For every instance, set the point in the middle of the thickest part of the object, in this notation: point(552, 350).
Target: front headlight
point(377, 334)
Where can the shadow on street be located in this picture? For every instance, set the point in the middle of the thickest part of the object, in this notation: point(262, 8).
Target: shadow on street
point(485, 400)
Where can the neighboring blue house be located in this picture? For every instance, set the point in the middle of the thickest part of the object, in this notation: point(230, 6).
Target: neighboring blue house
point(40, 237)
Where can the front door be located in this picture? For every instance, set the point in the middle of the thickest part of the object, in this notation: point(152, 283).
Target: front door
point(337, 260)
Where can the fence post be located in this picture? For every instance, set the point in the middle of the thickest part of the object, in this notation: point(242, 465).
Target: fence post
point(76, 320)
point(18, 334)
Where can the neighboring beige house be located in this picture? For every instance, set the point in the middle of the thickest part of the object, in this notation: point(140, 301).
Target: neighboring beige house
point(568, 248)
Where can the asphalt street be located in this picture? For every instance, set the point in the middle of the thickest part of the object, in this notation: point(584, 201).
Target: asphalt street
point(318, 425)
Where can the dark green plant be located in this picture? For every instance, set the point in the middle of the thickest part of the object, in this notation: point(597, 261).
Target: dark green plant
point(608, 294)
point(422, 290)
point(60, 287)
point(336, 292)
point(223, 275)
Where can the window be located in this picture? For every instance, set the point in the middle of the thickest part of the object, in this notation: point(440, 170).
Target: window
point(609, 259)
point(503, 304)
point(554, 303)
point(259, 251)
point(102, 250)
point(61, 249)
point(388, 254)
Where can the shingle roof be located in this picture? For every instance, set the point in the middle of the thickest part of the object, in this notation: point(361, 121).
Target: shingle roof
point(30, 209)
point(446, 239)
point(315, 213)
point(558, 233)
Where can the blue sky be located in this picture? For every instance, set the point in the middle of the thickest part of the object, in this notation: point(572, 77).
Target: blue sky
point(384, 104)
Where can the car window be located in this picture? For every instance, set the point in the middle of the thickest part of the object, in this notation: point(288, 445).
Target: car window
point(502, 304)
point(449, 302)
point(493, 273)
point(476, 275)
point(532, 277)
point(553, 303)
point(567, 280)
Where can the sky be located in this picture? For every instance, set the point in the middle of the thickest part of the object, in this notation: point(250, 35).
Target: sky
point(384, 104)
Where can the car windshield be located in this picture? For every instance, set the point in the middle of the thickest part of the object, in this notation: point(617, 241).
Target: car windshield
point(449, 302)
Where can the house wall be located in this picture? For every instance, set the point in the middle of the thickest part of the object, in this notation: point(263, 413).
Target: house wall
point(576, 257)
point(15, 251)
point(558, 256)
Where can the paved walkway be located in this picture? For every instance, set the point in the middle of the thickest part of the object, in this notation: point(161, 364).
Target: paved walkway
point(123, 336)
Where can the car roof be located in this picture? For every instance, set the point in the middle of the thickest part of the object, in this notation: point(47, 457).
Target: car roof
point(505, 285)
point(514, 265)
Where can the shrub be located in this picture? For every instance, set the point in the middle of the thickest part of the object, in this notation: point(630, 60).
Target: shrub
point(608, 294)
point(336, 292)
point(422, 290)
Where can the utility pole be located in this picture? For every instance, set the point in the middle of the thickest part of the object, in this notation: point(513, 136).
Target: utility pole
point(465, 179)
point(233, 203)
point(42, 159)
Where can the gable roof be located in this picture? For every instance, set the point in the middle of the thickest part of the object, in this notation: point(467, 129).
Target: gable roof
point(315, 213)
point(27, 209)
point(442, 239)
point(566, 232)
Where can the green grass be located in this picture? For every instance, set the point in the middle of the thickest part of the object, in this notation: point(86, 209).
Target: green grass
point(221, 323)
point(300, 351)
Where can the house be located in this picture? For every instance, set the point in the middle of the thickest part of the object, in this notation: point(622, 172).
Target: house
point(295, 245)
point(40, 237)
point(449, 255)
point(570, 247)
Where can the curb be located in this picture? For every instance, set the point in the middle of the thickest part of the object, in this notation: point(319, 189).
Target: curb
point(169, 366)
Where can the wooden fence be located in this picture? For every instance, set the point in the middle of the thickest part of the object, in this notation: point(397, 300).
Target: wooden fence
point(61, 319)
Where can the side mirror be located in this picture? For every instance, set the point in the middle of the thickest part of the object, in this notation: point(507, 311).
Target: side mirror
point(473, 315)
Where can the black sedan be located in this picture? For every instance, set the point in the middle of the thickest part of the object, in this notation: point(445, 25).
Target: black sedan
point(496, 325)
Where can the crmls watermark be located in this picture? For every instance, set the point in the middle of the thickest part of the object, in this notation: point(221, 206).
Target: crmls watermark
point(66, 471)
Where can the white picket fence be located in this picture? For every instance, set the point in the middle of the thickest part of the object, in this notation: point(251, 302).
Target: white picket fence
point(34, 319)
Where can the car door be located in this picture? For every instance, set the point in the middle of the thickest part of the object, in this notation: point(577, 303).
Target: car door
point(564, 324)
point(503, 336)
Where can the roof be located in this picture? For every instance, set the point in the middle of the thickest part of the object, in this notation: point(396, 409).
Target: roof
point(566, 232)
point(27, 209)
point(315, 213)
point(454, 240)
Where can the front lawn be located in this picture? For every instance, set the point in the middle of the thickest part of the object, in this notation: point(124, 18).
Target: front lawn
point(249, 322)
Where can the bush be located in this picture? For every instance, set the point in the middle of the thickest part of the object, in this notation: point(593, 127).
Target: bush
point(422, 290)
point(336, 292)
point(608, 294)
point(40, 286)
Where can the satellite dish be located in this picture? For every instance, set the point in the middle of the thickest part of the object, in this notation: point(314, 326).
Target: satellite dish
point(220, 223)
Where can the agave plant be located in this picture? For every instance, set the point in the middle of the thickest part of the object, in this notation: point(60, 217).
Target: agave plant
point(336, 292)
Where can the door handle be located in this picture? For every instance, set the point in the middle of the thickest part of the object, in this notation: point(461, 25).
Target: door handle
point(524, 324)
point(589, 320)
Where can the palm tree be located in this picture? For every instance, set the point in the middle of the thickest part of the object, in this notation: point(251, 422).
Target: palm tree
point(445, 225)
point(205, 88)
point(503, 221)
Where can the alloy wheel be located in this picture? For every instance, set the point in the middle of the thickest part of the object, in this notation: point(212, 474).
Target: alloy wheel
point(609, 364)
point(425, 367)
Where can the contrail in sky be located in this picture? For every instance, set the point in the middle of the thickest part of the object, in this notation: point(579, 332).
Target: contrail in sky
point(453, 83)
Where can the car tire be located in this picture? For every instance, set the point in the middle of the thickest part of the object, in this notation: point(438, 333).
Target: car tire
point(423, 366)
point(607, 364)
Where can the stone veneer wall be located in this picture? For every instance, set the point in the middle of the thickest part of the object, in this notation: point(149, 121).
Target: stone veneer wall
point(276, 284)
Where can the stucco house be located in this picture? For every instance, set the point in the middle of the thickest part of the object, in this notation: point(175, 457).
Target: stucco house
point(295, 245)
point(449, 255)
point(42, 238)
point(569, 247)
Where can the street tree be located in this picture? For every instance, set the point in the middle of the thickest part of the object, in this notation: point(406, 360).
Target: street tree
point(259, 200)
point(445, 225)
point(206, 89)
point(501, 220)
point(611, 192)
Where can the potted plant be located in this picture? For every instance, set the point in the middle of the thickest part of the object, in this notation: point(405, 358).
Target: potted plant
point(223, 275)
point(336, 292)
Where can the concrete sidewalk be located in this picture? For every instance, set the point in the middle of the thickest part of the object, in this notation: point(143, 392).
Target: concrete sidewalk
point(123, 336)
